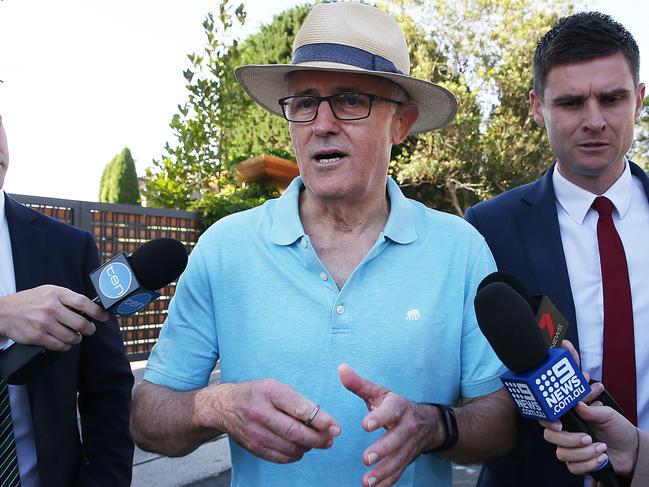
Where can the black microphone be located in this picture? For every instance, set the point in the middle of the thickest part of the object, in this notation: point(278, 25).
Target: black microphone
point(548, 318)
point(124, 285)
point(544, 384)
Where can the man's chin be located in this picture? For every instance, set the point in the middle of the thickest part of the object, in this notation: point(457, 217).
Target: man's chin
point(593, 166)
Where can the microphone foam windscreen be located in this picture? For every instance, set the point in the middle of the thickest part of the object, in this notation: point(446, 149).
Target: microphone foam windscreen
point(507, 321)
point(511, 280)
point(158, 262)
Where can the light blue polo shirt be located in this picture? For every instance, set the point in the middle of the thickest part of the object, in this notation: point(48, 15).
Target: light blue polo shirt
point(256, 296)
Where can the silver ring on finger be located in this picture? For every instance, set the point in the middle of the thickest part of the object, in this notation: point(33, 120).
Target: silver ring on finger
point(312, 416)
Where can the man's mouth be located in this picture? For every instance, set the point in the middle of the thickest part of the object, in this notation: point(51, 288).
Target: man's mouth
point(593, 145)
point(328, 157)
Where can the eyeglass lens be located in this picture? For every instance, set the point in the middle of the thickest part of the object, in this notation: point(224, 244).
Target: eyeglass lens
point(345, 106)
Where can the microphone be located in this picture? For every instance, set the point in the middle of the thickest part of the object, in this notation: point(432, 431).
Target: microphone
point(124, 285)
point(548, 317)
point(544, 384)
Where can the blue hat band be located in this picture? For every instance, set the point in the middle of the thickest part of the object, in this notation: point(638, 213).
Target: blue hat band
point(338, 53)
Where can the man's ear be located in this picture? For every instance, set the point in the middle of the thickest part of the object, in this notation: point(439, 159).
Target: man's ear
point(639, 101)
point(405, 117)
point(537, 109)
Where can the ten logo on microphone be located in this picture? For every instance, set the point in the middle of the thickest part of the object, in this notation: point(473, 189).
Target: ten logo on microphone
point(118, 288)
point(548, 392)
point(115, 280)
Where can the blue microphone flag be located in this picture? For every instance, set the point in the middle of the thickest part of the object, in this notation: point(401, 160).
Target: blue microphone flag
point(550, 390)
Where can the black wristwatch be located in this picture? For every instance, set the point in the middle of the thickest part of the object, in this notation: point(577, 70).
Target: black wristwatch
point(450, 425)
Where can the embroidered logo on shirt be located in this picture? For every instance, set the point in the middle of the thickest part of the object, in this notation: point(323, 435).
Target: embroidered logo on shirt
point(412, 314)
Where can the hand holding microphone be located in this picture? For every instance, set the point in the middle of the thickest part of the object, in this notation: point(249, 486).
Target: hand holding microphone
point(48, 316)
point(583, 453)
point(544, 384)
point(124, 285)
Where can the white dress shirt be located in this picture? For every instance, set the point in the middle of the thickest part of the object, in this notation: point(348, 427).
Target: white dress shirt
point(21, 413)
point(578, 226)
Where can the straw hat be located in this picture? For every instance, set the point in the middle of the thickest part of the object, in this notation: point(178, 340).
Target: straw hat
point(355, 38)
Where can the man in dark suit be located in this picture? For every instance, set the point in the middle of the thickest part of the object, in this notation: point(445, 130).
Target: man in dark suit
point(44, 284)
point(587, 96)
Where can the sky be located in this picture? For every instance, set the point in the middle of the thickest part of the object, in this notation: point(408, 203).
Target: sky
point(85, 78)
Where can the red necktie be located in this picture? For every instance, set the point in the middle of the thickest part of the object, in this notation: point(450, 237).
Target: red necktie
point(619, 350)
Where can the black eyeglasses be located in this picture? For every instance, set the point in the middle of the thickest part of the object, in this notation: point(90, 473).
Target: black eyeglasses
point(344, 106)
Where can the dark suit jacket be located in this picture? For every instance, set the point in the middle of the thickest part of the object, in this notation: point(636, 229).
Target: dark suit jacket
point(521, 227)
point(46, 251)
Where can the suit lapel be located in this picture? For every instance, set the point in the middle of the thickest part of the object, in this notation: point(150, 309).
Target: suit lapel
point(538, 225)
point(27, 245)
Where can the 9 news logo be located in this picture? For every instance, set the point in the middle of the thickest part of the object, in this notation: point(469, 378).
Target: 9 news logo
point(548, 391)
point(560, 386)
point(115, 280)
point(525, 400)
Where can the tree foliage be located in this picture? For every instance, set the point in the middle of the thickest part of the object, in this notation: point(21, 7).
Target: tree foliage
point(640, 149)
point(256, 130)
point(482, 51)
point(219, 125)
point(119, 182)
point(439, 168)
point(231, 199)
point(196, 163)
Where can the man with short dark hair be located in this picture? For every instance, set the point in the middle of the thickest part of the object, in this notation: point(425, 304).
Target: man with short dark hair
point(341, 310)
point(579, 233)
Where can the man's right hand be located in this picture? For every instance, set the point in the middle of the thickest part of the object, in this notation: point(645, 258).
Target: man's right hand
point(48, 316)
point(265, 417)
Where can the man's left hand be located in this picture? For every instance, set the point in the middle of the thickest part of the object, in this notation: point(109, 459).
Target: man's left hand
point(410, 428)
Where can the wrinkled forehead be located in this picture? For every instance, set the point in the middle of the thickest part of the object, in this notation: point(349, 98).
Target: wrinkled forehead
point(593, 77)
point(326, 82)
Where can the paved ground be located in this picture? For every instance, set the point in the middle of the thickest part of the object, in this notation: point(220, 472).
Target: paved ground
point(462, 477)
point(209, 465)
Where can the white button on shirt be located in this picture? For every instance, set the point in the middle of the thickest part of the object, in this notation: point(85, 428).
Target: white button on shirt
point(578, 226)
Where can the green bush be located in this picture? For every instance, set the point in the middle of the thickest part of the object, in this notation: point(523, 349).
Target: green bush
point(231, 199)
point(119, 181)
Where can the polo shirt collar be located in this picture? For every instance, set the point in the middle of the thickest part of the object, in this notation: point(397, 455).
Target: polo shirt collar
point(400, 226)
point(577, 201)
point(287, 227)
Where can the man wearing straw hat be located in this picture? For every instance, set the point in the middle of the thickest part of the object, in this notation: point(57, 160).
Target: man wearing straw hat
point(342, 312)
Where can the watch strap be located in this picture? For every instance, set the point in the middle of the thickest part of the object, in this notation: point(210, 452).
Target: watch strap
point(450, 426)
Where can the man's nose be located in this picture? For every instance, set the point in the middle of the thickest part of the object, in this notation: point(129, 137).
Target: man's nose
point(594, 118)
point(325, 121)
